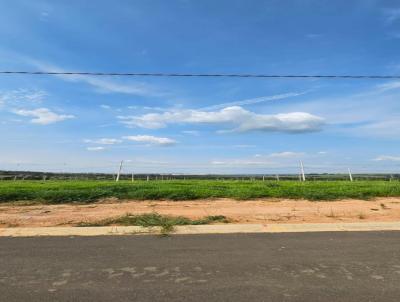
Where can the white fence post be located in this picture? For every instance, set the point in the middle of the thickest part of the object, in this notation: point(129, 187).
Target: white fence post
point(350, 176)
point(119, 171)
point(303, 176)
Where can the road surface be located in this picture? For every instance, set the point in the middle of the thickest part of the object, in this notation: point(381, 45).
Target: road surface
point(345, 266)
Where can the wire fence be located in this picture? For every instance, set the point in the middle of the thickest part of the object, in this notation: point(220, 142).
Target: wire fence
point(46, 176)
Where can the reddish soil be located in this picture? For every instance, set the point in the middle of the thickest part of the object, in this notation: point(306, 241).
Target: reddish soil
point(254, 211)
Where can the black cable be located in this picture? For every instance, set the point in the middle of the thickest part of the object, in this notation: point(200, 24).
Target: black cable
point(276, 76)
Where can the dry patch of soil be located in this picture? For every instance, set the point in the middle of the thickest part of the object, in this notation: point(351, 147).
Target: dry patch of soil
point(254, 211)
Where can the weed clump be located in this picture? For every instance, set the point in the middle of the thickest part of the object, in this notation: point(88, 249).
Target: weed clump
point(166, 223)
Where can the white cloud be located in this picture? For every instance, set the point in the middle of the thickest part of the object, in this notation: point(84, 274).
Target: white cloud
point(387, 158)
point(241, 119)
point(103, 141)
point(43, 116)
point(95, 148)
point(152, 140)
point(105, 106)
point(13, 100)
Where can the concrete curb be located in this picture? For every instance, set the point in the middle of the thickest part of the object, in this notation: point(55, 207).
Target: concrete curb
point(200, 229)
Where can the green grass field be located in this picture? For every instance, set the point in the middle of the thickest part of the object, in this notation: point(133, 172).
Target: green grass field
point(56, 192)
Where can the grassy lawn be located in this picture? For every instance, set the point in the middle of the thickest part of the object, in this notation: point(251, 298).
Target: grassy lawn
point(56, 192)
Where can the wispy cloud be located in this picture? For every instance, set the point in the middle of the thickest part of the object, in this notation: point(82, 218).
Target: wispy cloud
point(313, 36)
point(191, 132)
point(101, 84)
point(241, 119)
point(391, 15)
point(242, 162)
point(44, 15)
point(255, 100)
point(244, 146)
point(22, 102)
point(372, 112)
point(103, 141)
point(134, 107)
point(286, 154)
point(394, 35)
point(271, 160)
point(95, 148)
point(387, 158)
point(388, 86)
point(148, 139)
point(389, 128)
point(43, 116)
point(152, 140)
point(22, 97)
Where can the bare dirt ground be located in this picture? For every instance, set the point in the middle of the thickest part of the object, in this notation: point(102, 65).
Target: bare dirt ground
point(254, 211)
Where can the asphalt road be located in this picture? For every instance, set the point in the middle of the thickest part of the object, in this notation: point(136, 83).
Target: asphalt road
point(324, 267)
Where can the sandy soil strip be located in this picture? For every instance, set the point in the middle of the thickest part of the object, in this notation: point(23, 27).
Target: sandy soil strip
point(254, 211)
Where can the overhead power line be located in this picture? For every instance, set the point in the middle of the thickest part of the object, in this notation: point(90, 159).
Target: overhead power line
point(228, 75)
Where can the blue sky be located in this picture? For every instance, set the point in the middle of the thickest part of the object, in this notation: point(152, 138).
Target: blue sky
point(200, 125)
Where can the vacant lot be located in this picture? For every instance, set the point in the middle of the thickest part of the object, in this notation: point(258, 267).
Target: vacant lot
point(250, 211)
point(57, 192)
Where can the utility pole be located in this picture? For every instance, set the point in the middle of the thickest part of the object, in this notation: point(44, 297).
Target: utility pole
point(350, 176)
point(119, 171)
point(277, 177)
point(303, 176)
point(133, 176)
